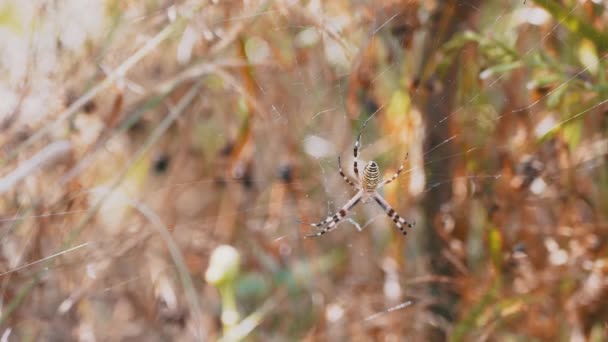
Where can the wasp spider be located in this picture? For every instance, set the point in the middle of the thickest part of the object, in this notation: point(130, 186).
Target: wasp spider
point(367, 186)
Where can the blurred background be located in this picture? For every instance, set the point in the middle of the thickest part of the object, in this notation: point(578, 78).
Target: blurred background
point(157, 155)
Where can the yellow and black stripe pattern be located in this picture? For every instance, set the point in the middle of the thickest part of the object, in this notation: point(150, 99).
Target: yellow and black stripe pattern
point(366, 187)
point(371, 177)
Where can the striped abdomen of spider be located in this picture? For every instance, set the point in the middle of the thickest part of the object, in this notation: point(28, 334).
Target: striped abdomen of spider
point(371, 177)
point(367, 186)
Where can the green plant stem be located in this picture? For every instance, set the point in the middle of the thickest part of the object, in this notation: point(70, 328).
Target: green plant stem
point(230, 314)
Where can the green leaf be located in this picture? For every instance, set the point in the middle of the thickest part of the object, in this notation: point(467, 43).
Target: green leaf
point(575, 24)
point(587, 53)
point(500, 69)
point(400, 104)
point(495, 242)
point(573, 132)
point(554, 99)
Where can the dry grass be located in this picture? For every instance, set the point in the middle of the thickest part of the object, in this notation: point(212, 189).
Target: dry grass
point(139, 136)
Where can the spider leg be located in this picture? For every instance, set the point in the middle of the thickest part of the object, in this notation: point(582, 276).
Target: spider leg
point(394, 176)
point(399, 221)
point(335, 219)
point(356, 160)
point(346, 179)
point(358, 144)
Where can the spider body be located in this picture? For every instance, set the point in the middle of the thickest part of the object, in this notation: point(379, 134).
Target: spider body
point(367, 186)
point(371, 177)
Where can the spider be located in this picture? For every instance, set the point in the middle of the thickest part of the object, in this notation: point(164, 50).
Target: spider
point(367, 186)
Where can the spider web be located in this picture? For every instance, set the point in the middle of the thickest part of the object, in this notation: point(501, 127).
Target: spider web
point(312, 113)
point(327, 167)
point(324, 146)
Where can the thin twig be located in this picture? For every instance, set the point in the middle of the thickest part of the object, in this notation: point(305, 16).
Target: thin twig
point(46, 156)
point(89, 95)
point(185, 101)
